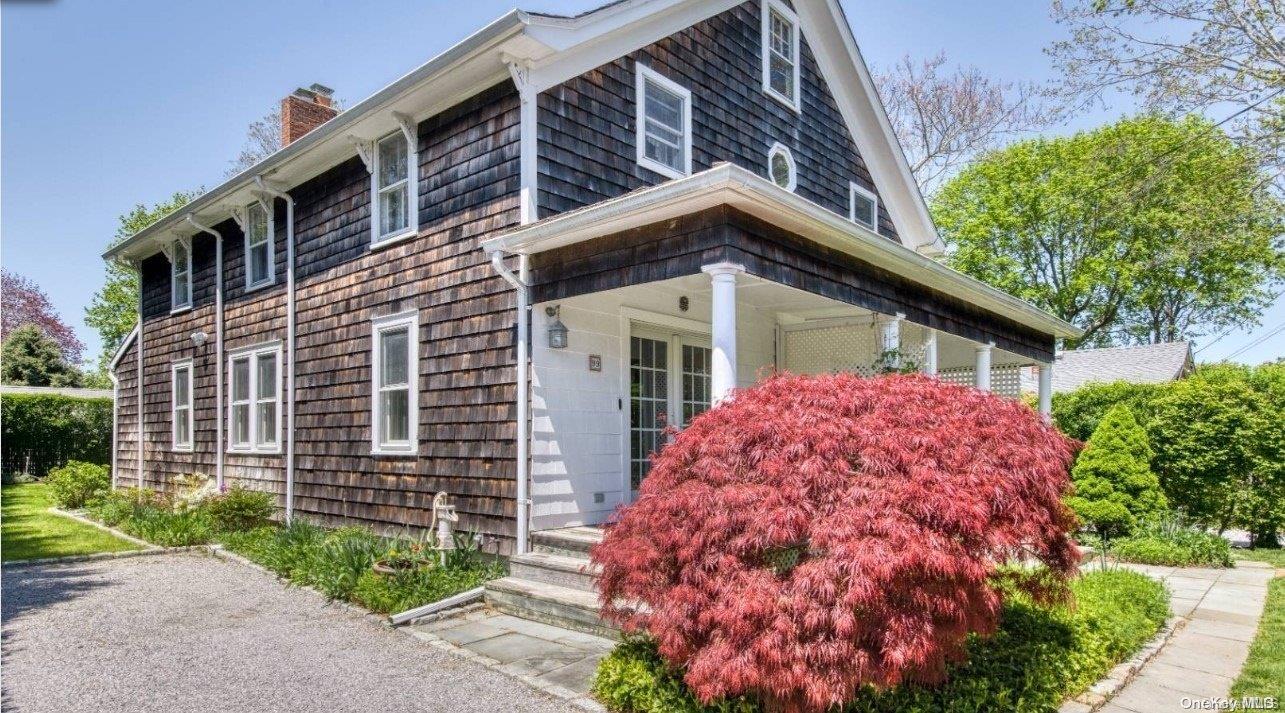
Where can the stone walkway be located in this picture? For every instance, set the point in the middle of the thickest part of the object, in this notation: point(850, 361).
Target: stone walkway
point(557, 661)
point(1199, 664)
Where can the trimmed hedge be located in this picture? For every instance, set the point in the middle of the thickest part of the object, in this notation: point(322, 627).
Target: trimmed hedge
point(44, 431)
point(1039, 657)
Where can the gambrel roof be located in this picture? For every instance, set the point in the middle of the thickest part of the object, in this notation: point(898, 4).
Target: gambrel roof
point(547, 50)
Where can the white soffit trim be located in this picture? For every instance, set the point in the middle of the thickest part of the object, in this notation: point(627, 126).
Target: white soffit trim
point(124, 346)
point(726, 184)
point(830, 37)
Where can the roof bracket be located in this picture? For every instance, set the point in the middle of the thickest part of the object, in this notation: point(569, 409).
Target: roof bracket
point(264, 201)
point(238, 217)
point(364, 152)
point(408, 130)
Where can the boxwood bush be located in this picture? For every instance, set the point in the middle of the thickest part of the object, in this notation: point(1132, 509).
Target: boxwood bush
point(1039, 656)
point(76, 484)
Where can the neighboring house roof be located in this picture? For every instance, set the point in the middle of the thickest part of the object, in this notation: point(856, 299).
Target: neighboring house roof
point(728, 184)
point(59, 390)
point(1142, 364)
point(542, 51)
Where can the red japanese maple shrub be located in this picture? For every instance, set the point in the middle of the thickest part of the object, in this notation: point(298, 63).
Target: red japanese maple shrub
point(814, 534)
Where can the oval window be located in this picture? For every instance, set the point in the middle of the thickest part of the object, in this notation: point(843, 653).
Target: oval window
point(780, 167)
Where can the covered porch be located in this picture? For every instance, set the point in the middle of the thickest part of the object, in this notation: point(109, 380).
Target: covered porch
point(649, 308)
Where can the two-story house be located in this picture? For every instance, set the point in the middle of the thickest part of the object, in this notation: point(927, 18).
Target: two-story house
point(503, 275)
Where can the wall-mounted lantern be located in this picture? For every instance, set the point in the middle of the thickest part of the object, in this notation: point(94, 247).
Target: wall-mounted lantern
point(200, 338)
point(557, 330)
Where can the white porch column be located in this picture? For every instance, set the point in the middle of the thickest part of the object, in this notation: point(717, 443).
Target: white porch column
point(1046, 390)
point(723, 328)
point(891, 340)
point(930, 353)
point(982, 370)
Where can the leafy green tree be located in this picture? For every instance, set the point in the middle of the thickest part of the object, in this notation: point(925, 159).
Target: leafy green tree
point(1077, 413)
point(1218, 442)
point(1145, 230)
point(113, 309)
point(31, 358)
point(1114, 486)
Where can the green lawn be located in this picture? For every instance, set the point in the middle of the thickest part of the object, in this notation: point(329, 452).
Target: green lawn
point(28, 530)
point(1264, 672)
point(1275, 558)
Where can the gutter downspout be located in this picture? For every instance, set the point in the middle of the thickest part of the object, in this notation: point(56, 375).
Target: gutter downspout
point(141, 334)
point(290, 307)
point(111, 374)
point(218, 347)
point(524, 502)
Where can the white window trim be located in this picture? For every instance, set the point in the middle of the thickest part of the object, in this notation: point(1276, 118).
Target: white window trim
point(643, 74)
point(271, 279)
point(410, 320)
point(853, 190)
point(175, 368)
point(252, 352)
point(412, 192)
point(766, 40)
point(177, 305)
point(780, 148)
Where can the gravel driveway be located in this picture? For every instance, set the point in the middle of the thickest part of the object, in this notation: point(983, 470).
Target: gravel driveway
point(189, 632)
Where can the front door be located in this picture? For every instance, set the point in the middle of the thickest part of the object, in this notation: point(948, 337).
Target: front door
point(669, 384)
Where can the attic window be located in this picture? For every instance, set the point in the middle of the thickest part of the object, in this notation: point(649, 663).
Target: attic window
point(259, 267)
point(781, 53)
point(780, 167)
point(664, 124)
point(863, 206)
point(393, 210)
point(180, 254)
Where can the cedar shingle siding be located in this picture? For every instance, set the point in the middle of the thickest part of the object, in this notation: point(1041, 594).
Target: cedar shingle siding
point(468, 189)
point(586, 125)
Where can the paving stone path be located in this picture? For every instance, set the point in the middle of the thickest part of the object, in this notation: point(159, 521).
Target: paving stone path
point(1199, 664)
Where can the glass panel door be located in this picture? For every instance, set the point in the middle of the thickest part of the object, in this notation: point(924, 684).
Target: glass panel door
point(695, 379)
point(648, 402)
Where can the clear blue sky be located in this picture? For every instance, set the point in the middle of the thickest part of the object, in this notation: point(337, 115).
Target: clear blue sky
point(106, 104)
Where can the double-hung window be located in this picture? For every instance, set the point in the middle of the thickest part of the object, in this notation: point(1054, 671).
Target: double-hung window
point(254, 399)
point(781, 53)
point(394, 387)
point(180, 254)
point(664, 124)
point(863, 206)
point(259, 266)
point(393, 213)
point(181, 405)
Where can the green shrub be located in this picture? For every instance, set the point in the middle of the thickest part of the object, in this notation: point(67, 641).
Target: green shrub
point(345, 554)
point(1220, 449)
point(1039, 657)
point(284, 550)
point(389, 594)
point(238, 508)
point(1114, 485)
point(1171, 544)
point(151, 516)
point(39, 432)
point(77, 484)
point(1077, 413)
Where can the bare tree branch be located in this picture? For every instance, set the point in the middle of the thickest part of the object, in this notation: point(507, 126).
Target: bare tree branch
point(943, 117)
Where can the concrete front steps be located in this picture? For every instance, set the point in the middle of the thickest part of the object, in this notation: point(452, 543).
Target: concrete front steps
point(554, 583)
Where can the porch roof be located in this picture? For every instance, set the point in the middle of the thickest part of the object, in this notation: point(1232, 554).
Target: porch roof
point(727, 184)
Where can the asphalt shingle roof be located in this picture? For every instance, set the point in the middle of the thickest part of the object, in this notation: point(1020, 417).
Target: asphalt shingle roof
point(1143, 364)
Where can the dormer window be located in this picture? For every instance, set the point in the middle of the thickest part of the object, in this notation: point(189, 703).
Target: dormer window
point(780, 167)
point(664, 124)
point(781, 53)
point(260, 268)
point(180, 254)
point(393, 188)
point(863, 206)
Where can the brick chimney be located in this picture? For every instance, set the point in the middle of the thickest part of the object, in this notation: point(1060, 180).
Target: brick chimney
point(305, 110)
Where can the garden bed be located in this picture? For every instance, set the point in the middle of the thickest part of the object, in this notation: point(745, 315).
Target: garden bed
point(1039, 657)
